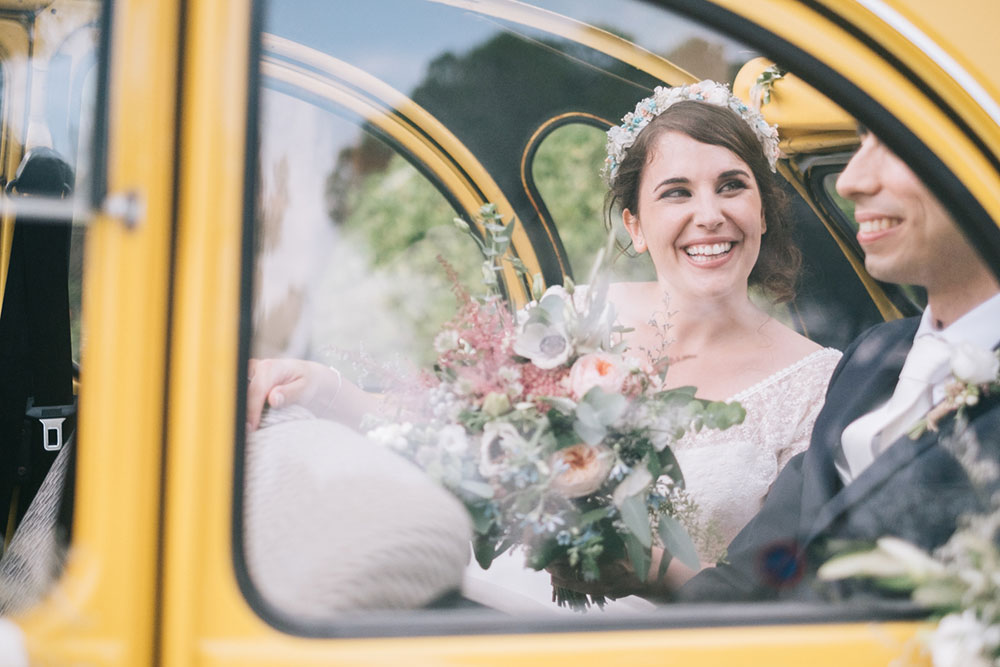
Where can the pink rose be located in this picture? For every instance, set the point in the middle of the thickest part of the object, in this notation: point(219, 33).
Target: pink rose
point(583, 469)
point(598, 369)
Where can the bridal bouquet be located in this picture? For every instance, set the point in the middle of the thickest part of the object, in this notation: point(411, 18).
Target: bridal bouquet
point(555, 436)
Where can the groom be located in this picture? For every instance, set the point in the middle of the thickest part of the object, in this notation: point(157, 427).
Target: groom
point(863, 475)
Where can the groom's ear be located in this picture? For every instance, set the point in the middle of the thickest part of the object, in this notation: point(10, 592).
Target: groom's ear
point(634, 230)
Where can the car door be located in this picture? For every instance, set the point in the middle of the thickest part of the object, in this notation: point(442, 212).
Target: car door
point(282, 179)
point(371, 157)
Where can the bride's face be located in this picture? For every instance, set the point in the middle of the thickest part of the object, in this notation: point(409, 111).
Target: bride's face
point(699, 216)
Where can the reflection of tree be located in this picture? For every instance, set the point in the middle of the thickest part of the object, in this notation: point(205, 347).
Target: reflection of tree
point(387, 292)
point(497, 94)
point(703, 59)
point(353, 164)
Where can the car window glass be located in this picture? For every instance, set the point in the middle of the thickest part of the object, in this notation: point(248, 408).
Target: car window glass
point(48, 66)
point(572, 189)
point(371, 142)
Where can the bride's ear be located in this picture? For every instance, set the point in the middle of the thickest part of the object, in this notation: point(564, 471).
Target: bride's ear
point(634, 231)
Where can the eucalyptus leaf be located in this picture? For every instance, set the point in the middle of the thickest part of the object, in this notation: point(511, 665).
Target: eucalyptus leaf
point(653, 466)
point(593, 516)
point(481, 521)
point(677, 541)
point(670, 466)
point(537, 286)
point(481, 489)
point(639, 556)
point(636, 518)
point(484, 552)
point(722, 415)
point(518, 265)
point(608, 407)
point(664, 564)
point(588, 425)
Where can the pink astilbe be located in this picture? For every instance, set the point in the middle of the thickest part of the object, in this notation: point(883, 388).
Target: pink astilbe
point(539, 383)
point(485, 333)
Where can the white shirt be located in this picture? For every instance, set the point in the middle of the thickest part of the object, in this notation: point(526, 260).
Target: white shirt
point(980, 327)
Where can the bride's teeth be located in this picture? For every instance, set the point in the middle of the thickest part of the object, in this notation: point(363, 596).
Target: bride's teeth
point(879, 225)
point(709, 249)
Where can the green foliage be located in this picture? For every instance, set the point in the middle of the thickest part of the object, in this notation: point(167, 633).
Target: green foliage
point(677, 542)
point(400, 220)
point(567, 173)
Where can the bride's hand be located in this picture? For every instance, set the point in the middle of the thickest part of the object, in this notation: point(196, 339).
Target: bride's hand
point(280, 382)
point(617, 580)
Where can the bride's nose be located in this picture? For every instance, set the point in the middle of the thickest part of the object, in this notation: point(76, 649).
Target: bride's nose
point(707, 212)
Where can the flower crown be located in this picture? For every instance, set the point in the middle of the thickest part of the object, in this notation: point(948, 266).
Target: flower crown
point(621, 137)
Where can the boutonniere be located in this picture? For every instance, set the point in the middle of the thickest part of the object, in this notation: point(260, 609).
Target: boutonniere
point(975, 372)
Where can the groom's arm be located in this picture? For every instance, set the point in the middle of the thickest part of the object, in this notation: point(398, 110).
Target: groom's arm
point(763, 558)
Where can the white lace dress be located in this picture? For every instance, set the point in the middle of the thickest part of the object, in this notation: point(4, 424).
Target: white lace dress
point(729, 473)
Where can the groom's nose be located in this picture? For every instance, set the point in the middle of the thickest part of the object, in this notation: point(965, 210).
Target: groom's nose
point(860, 177)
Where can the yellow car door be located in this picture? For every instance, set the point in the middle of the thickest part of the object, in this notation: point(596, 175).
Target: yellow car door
point(279, 179)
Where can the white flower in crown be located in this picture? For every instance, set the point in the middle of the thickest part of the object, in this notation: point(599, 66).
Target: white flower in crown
point(621, 137)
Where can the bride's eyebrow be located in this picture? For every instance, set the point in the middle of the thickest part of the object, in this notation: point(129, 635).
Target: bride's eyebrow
point(670, 181)
point(733, 172)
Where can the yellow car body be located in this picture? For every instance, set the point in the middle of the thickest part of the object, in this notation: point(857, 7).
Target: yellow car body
point(153, 574)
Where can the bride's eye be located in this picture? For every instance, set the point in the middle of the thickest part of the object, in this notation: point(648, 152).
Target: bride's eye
point(674, 193)
point(732, 185)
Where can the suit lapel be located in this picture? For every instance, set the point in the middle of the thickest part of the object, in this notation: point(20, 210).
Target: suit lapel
point(864, 383)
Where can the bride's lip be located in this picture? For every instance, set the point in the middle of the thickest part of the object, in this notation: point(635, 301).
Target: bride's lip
point(709, 252)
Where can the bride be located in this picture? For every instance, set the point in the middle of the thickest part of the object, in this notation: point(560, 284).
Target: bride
point(692, 172)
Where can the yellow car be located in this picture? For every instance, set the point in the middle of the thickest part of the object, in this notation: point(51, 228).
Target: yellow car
point(190, 185)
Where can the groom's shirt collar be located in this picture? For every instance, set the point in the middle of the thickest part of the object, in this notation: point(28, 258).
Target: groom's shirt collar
point(980, 327)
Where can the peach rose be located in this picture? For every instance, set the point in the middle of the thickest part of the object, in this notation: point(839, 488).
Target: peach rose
point(583, 469)
point(598, 369)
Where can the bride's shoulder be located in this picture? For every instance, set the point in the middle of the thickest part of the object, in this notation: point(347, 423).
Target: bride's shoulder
point(797, 350)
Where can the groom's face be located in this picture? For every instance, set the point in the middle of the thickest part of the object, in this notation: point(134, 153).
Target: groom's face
point(907, 235)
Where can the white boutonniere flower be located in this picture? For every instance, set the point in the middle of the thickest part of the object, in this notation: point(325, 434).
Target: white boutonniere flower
point(975, 372)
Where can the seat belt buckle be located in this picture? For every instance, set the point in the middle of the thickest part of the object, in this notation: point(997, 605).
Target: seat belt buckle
point(51, 417)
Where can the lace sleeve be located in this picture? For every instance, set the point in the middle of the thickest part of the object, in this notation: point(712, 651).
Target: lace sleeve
point(810, 387)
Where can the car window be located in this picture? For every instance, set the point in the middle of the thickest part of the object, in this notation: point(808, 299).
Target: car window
point(572, 190)
point(374, 135)
point(48, 68)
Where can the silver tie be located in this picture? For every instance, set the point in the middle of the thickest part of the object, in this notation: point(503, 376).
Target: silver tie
point(871, 434)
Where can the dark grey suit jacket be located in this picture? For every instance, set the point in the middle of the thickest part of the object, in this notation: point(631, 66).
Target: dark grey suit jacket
point(914, 490)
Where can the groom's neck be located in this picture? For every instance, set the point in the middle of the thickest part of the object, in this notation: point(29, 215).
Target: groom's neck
point(953, 300)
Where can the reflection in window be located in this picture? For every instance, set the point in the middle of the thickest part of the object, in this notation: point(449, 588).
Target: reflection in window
point(351, 216)
point(350, 236)
point(566, 170)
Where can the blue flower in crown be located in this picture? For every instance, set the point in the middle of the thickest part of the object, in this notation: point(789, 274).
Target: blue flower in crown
point(621, 137)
